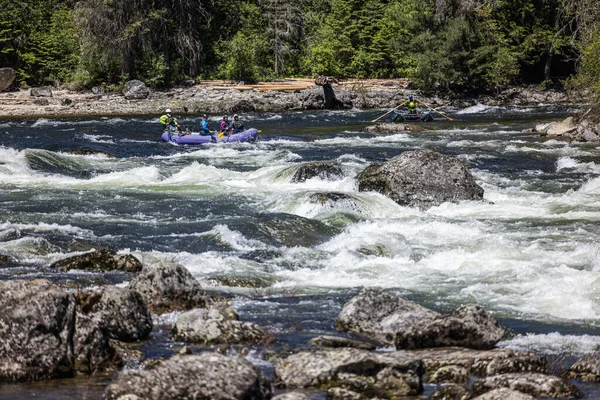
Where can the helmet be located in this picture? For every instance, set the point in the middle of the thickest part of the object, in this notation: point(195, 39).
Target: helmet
point(410, 96)
point(168, 110)
point(235, 116)
point(225, 117)
point(204, 116)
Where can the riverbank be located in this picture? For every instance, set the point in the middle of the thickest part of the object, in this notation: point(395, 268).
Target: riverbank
point(217, 97)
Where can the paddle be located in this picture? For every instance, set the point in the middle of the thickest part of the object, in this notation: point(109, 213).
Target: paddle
point(377, 119)
point(439, 112)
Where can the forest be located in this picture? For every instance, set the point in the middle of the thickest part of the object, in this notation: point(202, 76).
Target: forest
point(458, 46)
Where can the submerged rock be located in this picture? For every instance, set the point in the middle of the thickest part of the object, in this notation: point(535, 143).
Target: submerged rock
point(86, 151)
point(318, 169)
point(100, 260)
point(373, 373)
point(202, 376)
point(536, 385)
point(211, 326)
point(422, 179)
point(392, 128)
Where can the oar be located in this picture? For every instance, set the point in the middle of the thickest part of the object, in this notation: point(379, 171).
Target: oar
point(439, 112)
point(377, 119)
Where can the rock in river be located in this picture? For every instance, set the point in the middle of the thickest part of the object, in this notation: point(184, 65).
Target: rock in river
point(202, 376)
point(388, 318)
point(318, 169)
point(536, 385)
point(100, 260)
point(211, 326)
point(167, 288)
point(422, 179)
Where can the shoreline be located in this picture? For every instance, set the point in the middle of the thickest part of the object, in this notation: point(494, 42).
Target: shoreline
point(217, 99)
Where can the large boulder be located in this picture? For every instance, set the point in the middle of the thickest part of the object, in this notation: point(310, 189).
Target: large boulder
point(536, 385)
point(391, 319)
point(135, 90)
point(203, 376)
point(211, 326)
point(121, 312)
point(7, 77)
point(37, 322)
point(559, 128)
point(44, 91)
point(167, 288)
point(468, 326)
point(504, 394)
point(100, 260)
point(378, 314)
point(422, 179)
point(374, 373)
point(318, 169)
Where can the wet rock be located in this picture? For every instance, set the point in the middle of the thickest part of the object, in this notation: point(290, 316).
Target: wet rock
point(468, 326)
point(37, 323)
point(587, 368)
point(449, 374)
point(202, 376)
point(478, 362)
point(291, 396)
point(242, 280)
point(211, 326)
point(335, 200)
point(167, 288)
point(100, 260)
point(6, 259)
point(44, 91)
point(504, 394)
point(390, 128)
point(536, 385)
point(557, 128)
point(337, 342)
point(338, 393)
point(135, 90)
point(378, 314)
point(339, 367)
point(422, 179)
point(86, 151)
point(122, 312)
point(7, 77)
point(452, 392)
point(318, 169)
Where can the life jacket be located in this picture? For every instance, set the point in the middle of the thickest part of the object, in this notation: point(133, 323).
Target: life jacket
point(205, 125)
point(224, 125)
point(164, 119)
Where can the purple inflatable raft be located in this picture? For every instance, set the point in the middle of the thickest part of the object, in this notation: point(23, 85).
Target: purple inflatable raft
point(249, 135)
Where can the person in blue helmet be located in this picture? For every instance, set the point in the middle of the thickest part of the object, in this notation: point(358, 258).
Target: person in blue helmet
point(411, 104)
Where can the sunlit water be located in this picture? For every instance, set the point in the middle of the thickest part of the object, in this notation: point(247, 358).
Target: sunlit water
point(529, 253)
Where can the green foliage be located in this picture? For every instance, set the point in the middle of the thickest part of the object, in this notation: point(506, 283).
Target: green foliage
point(452, 45)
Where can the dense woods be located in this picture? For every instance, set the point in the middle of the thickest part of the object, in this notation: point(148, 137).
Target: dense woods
point(445, 45)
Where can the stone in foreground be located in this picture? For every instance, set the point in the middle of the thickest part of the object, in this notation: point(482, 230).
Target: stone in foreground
point(100, 260)
point(202, 376)
point(536, 385)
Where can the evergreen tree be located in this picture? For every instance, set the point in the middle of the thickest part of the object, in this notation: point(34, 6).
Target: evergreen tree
point(284, 21)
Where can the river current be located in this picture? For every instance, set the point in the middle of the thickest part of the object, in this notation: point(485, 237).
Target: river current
point(528, 254)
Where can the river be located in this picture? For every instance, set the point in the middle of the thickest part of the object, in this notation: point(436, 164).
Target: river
point(529, 253)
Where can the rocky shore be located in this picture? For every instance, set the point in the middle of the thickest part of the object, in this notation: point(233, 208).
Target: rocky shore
point(218, 98)
point(388, 347)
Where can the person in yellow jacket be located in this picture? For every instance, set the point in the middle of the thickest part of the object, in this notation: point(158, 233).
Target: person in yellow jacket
point(169, 122)
point(411, 104)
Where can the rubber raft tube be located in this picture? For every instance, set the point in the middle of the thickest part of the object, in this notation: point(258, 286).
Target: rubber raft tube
point(418, 117)
point(249, 135)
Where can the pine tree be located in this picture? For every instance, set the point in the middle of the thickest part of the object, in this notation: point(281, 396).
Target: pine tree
point(284, 21)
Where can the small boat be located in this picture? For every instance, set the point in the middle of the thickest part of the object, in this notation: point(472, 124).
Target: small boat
point(248, 135)
point(403, 116)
